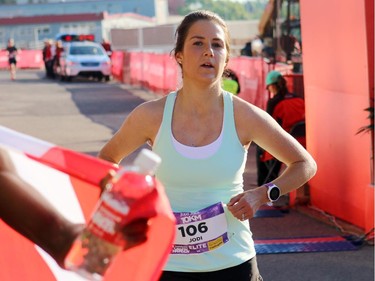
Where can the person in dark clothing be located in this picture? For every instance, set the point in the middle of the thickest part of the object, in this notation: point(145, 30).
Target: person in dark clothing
point(287, 109)
point(12, 58)
point(246, 50)
point(48, 59)
point(107, 47)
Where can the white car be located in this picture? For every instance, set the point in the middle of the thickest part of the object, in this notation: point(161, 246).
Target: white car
point(85, 59)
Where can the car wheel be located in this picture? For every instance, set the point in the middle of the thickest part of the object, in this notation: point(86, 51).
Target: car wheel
point(107, 78)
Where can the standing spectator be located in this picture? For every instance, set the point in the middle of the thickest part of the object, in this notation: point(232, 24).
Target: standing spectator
point(107, 47)
point(246, 51)
point(56, 60)
point(231, 82)
point(202, 134)
point(48, 58)
point(287, 109)
point(12, 58)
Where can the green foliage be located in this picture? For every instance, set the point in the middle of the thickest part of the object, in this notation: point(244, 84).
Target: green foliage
point(228, 10)
point(369, 127)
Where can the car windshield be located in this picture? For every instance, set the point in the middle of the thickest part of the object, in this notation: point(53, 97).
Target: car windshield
point(86, 50)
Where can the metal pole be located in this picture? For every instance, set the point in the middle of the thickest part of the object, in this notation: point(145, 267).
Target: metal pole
point(36, 37)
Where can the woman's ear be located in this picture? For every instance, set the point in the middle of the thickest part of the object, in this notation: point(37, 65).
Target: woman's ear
point(178, 58)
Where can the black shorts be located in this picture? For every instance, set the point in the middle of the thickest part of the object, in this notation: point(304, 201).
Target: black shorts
point(12, 61)
point(247, 271)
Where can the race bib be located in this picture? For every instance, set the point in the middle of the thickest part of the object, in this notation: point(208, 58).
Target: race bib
point(201, 231)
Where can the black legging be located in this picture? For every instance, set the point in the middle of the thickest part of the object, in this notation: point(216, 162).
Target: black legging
point(247, 271)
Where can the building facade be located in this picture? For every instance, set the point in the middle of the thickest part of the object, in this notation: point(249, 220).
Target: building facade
point(30, 24)
point(142, 7)
point(137, 24)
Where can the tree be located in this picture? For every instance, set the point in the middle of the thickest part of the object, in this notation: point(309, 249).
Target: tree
point(228, 10)
point(8, 2)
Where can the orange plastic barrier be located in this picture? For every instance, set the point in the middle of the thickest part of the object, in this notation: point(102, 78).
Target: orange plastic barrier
point(117, 59)
point(156, 72)
point(251, 72)
point(25, 59)
point(338, 87)
point(3, 59)
point(70, 181)
point(295, 84)
point(135, 67)
point(160, 73)
point(172, 73)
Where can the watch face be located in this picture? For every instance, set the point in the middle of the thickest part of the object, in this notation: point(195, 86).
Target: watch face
point(274, 193)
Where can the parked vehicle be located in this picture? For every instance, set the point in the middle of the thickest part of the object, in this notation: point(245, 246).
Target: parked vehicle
point(84, 59)
point(72, 37)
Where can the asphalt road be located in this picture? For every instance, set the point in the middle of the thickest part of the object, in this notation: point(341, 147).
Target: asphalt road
point(80, 115)
point(83, 115)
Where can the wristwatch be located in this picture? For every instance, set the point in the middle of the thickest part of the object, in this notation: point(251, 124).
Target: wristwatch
point(273, 192)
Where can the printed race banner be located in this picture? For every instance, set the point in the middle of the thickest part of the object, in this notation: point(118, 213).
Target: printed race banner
point(70, 181)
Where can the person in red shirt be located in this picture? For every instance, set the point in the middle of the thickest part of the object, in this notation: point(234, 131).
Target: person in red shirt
point(107, 47)
point(287, 109)
point(48, 58)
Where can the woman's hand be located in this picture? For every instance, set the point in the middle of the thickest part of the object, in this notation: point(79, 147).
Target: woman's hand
point(244, 205)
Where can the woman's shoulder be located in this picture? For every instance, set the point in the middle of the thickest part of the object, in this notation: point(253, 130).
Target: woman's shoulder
point(245, 108)
point(151, 111)
point(251, 121)
point(148, 116)
point(151, 107)
point(248, 115)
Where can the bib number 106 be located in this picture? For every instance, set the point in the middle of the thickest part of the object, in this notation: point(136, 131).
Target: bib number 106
point(192, 230)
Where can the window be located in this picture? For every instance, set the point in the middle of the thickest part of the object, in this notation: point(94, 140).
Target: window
point(44, 30)
point(86, 50)
point(81, 28)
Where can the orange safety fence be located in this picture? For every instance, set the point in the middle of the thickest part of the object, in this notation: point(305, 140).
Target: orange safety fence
point(251, 72)
point(117, 59)
point(70, 181)
point(25, 59)
point(160, 73)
